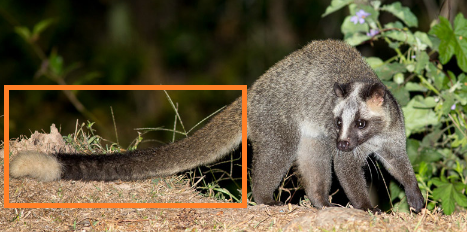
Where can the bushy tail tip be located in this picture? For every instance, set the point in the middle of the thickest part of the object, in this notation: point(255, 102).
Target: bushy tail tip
point(36, 165)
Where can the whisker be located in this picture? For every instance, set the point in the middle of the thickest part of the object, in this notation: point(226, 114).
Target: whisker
point(386, 186)
point(364, 157)
point(385, 162)
point(387, 165)
point(374, 165)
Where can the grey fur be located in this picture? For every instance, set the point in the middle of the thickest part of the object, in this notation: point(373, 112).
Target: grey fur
point(292, 113)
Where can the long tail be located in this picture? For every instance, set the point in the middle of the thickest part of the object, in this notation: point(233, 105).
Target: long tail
point(222, 134)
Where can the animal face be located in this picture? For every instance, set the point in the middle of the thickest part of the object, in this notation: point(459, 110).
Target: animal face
point(359, 113)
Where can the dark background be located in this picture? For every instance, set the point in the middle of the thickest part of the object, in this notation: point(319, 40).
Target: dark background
point(153, 43)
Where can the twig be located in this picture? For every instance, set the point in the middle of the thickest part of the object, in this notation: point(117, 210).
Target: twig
point(115, 124)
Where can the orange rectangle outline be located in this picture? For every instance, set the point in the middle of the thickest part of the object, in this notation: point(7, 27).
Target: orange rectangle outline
point(6, 198)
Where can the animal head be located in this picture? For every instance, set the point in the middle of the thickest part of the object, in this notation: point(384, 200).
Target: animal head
point(360, 113)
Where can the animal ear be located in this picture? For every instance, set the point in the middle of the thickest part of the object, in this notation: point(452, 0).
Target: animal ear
point(339, 90)
point(376, 93)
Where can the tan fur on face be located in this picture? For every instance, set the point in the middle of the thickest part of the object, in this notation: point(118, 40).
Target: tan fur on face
point(36, 165)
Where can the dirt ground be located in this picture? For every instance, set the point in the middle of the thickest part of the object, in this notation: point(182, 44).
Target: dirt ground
point(177, 189)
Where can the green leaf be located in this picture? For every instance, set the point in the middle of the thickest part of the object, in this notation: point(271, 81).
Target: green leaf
point(422, 39)
point(335, 6)
point(425, 170)
point(412, 150)
point(424, 103)
point(435, 41)
point(416, 119)
point(410, 86)
point(460, 30)
point(356, 38)
point(400, 93)
point(23, 32)
point(422, 61)
point(449, 196)
point(403, 36)
point(430, 155)
point(396, 24)
point(444, 193)
point(460, 199)
point(459, 141)
point(444, 32)
point(453, 41)
point(461, 52)
point(461, 95)
point(459, 186)
point(402, 13)
point(438, 182)
point(447, 103)
point(430, 140)
point(374, 14)
point(41, 26)
point(402, 205)
point(374, 62)
point(437, 75)
point(395, 190)
point(385, 72)
point(56, 63)
point(376, 4)
point(446, 153)
point(91, 140)
point(459, 138)
point(460, 24)
point(459, 169)
point(462, 78)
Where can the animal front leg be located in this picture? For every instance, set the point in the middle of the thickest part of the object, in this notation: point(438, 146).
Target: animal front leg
point(398, 165)
point(349, 171)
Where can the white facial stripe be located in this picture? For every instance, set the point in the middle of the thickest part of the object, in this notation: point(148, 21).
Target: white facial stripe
point(347, 109)
point(348, 116)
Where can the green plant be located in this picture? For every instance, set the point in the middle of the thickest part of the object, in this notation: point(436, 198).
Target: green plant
point(85, 140)
point(433, 99)
point(53, 66)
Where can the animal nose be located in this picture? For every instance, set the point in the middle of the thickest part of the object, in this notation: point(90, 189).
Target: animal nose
point(343, 145)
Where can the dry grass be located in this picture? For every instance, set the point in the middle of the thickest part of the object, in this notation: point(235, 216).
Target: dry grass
point(177, 189)
point(253, 218)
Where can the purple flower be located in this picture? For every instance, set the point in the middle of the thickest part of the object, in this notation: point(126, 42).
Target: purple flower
point(372, 32)
point(359, 17)
point(453, 107)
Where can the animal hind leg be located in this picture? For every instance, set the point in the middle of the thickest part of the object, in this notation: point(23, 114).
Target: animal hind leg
point(314, 162)
point(270, 164)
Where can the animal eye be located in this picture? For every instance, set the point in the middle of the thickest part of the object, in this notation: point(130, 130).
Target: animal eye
point(338, 122)
point(361, 123)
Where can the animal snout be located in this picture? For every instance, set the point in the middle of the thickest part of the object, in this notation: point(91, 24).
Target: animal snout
point(343, 145)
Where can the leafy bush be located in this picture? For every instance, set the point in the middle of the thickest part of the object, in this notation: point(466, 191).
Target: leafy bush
point(434, 99)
